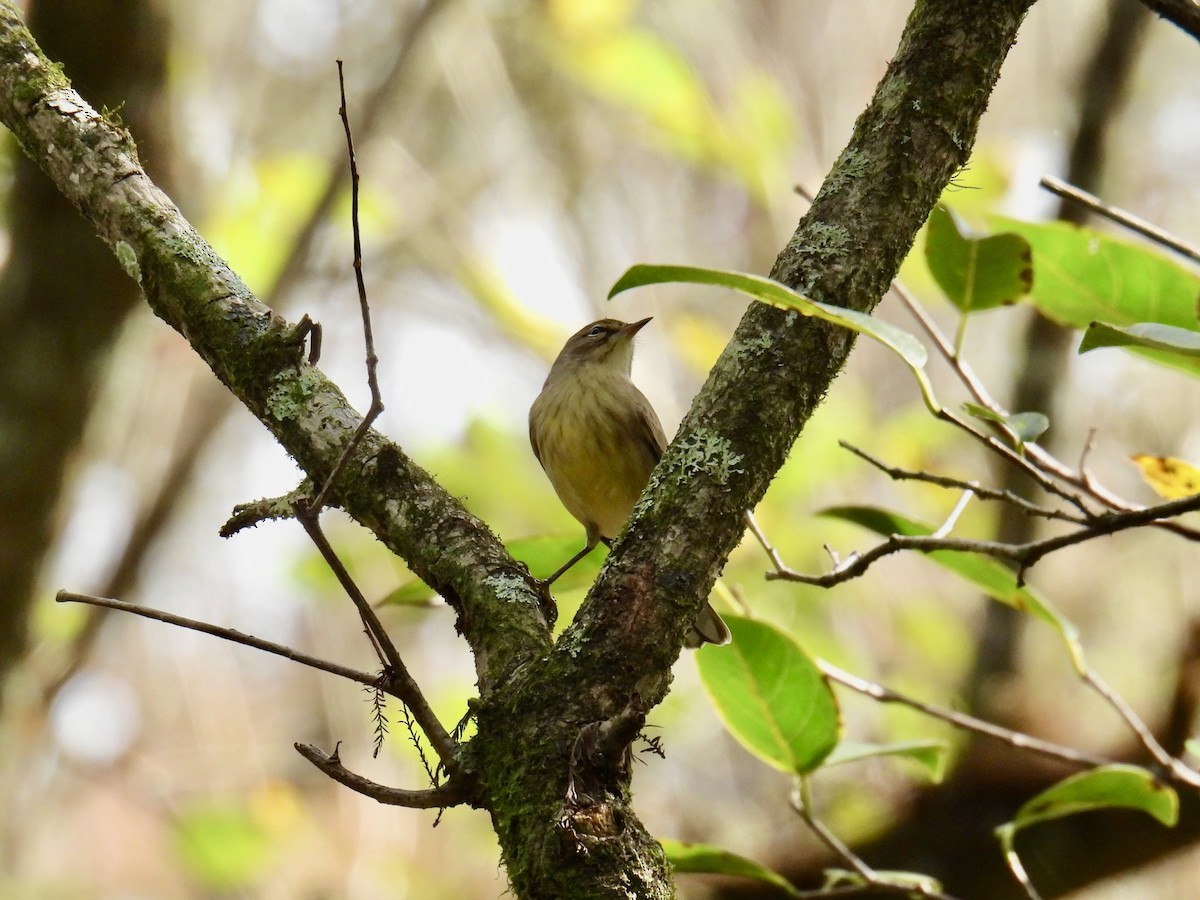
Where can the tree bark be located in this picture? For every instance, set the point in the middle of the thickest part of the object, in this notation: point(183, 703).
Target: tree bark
point(553, 720)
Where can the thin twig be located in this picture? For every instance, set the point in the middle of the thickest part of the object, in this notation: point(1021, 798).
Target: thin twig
point(1121, 217)
point(1024, 555)
point(871, 891)
point(376, 406)
point(951, 520)
point(946, 481)
point(1035, 461)
point(764, 542)
point(1173, 766)
point(227, 634)
point(452, 793)
point(802, 803)
point(875, 881)
point(381, 643)
point(396, 676)
point(963, 721)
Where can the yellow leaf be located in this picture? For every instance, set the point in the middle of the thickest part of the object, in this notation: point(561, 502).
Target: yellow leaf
point(1170, 478)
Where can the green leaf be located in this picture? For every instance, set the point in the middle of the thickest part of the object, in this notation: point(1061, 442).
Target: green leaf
point(976, 273)
point(771, 696)
point(1107, 787)
point(703, 859)
point(989, 575)
point(1115, 786)
point(1150, 335)
point(1084, 276)
point(928, 754)
point(1023, 427)
point(911, 351)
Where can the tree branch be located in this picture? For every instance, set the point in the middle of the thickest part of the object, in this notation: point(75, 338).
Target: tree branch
point(449, 794)
point(1183, 13)
point(227, 634)
point(94, 164)
point(1025, 555)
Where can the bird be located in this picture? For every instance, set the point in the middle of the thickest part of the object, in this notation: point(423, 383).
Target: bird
point(598, 438)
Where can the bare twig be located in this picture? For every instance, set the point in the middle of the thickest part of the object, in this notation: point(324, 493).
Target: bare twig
point(376, 406)
point(452, 793)
point(1024, 555)
point(951, 520)
point(1120, 216)
point(1174, 767)
point(874, 882)
point(382, 644)
point(946, 481)
point(802, 803)
point(1183, 13)
point(961, 720)
point(396, 678)
point(764, 542)
point(227, 634)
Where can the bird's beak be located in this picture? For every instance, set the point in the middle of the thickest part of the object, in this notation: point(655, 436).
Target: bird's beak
point(634, 327)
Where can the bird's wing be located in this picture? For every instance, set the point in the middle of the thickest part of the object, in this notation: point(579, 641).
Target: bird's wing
point(649, 431)
point(533, 442)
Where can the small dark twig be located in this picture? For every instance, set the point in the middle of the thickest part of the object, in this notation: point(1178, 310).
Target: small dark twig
point(1177, 770)
point(1024, 555)
point(877, 882)
point(227, 634)
point(452, 793)
point(396, 679)
point(1183, 13)
point(389, 657)
point(963, 721)
point(802, 804)
point(376, 406)
point(984, 493)
point(613, 736)
point(1120, 216)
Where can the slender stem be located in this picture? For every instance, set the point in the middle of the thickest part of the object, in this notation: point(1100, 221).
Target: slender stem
point(873, 882)
point(376, 406)
point(962, 720)
point(952, 519)
point(1039, 464)
point(1177, 769)
point(802, 803)
point(227, 634)
point(1120, 216)
point(399, 681)
point(983, 493)
point(452, 793)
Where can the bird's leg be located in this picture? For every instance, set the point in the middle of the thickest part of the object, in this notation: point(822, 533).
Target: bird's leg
point(593, 538)
point(591, 545)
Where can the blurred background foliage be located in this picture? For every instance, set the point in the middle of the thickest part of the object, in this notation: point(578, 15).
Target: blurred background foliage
point(516, 158)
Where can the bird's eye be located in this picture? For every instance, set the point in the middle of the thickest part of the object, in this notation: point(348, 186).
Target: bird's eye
point(595, 331)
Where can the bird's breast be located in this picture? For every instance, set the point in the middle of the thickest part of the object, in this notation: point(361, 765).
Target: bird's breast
point(587, 434)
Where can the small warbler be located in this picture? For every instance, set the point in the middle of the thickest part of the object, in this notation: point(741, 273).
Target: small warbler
point(597, 437)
